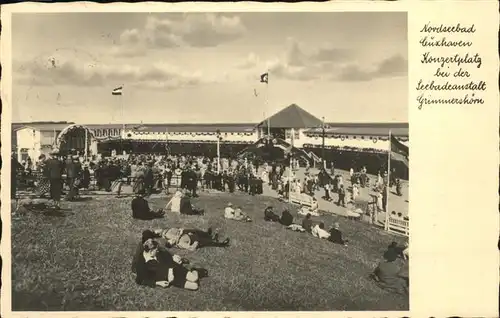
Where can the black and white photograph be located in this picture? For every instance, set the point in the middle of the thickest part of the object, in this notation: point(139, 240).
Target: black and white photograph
point(210, 161)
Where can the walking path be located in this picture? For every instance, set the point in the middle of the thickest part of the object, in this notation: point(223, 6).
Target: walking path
point(396, 203)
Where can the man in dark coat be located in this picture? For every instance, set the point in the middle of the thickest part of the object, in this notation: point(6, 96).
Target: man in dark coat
point(141, 210)
point(192, 182)
point(149, 179)
point(73, 172)
point(54, 169)
point(15, 166)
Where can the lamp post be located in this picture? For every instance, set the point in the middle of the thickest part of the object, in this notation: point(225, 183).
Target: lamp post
point(323, 136)
point(218, 151)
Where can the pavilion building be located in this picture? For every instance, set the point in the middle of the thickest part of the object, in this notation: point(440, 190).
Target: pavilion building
point(311, 136)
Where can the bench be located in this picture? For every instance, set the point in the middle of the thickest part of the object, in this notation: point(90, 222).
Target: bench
point(303, 200)
point(398, 225)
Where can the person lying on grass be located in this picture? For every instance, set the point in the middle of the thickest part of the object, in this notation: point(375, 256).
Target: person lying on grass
point(235, 214)
point(141, 210)
point(157, 267)
point(146, 235)
point(389, 275)
point(191, 239)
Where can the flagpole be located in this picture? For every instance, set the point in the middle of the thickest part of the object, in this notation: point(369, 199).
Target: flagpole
point(218, 152)
point(387, 214)
point(166, 140)
point(123, 120)
point(86, 143)
point(267, 106)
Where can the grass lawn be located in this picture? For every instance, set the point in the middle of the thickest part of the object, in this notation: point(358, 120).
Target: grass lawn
point(81, 262)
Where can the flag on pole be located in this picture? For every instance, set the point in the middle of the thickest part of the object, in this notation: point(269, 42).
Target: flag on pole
point(118, 91)
point(399, 151)
point(264, 78)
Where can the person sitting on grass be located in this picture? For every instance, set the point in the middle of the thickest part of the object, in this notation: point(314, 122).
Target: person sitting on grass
point(307, 223)
point(141, 210)
point(286, 218)
point(388, 274)
point(336, 235)
point(191, 239)
point(175, 203)
point(157, 267)
point(320, 232)
point(406, 251)
point(401, 251)
point(188, 208)
point(269, 215)
point(235, 214)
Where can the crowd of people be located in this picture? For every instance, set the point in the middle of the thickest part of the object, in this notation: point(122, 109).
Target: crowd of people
point(153, 264)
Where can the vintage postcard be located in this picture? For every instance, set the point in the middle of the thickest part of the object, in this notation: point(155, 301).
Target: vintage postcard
point(185, 159)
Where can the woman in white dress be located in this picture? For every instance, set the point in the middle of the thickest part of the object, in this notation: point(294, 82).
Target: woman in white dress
point(265, 176)
point(380, 206)
point(175, 203)
point(355, 192)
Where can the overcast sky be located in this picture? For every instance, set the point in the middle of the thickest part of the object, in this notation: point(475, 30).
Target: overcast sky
point(202, 67)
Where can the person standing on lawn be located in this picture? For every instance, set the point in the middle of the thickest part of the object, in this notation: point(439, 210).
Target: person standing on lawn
point(73, 172)
point(54, 173)
point(341, 200)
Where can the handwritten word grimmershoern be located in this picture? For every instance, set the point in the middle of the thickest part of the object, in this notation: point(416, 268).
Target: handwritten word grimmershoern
point(428, 28)
point(457, 59)
point(464, 100)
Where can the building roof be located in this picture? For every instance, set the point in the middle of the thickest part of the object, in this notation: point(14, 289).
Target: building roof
point(291, 117)
point(223, 128)
point(42, 126)
point(362, 131)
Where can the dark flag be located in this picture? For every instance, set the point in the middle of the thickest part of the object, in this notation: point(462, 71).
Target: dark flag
point(117, 91)
point(399, 151)
point(264, 78)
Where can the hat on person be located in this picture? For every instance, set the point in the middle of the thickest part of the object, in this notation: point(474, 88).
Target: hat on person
point(229, 204)
point(146, 235)
point(75, 156)
point(336, 225)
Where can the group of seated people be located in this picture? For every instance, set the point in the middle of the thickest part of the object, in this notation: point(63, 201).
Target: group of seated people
point(180, 203)
point(318, 230)
point(155, 266)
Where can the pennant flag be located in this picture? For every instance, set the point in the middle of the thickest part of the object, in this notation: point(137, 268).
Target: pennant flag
point(399, 151)
point(264, 78)
point(118, 91)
